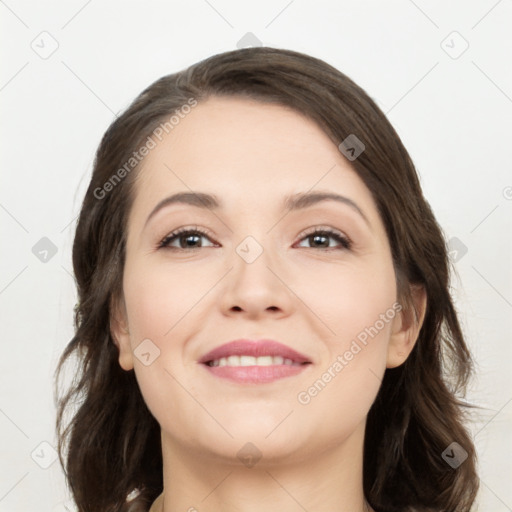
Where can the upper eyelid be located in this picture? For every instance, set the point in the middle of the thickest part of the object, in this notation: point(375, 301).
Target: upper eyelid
point(207, 232)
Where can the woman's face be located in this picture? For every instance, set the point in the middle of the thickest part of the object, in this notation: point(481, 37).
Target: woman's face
point(259, 273)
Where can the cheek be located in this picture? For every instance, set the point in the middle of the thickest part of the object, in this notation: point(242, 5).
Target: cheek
point(349, 298)
point(160, 306)
point(160, 299)
point(357, 305)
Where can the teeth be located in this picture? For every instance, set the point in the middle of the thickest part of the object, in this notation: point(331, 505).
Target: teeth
point(252, 361)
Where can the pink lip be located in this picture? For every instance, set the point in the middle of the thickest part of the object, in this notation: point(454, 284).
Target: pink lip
point(255, 374)
point(256, 348)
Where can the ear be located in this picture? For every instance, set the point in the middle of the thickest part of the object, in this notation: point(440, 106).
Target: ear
point(406, 328)
point(120, 333)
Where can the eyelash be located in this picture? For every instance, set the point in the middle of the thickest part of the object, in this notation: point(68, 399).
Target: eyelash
point(346, 243)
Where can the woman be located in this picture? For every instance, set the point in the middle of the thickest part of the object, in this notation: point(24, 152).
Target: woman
point(264, 318)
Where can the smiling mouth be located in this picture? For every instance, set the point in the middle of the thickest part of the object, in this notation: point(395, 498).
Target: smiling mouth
point(251, 370)
point(245, 360)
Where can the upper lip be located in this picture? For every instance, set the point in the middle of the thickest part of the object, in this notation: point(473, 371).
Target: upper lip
point(255, 348)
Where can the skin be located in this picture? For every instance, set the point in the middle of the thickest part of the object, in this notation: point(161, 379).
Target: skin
point(316, 300)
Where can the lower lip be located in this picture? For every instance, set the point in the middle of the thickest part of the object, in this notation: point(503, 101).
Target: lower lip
point(255, 374)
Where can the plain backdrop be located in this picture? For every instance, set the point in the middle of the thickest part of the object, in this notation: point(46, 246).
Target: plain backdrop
point(442, 73)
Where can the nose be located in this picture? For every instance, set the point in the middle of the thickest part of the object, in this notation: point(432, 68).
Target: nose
point(257, 284)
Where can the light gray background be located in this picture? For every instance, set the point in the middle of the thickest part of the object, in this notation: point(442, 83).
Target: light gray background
point(452, 110)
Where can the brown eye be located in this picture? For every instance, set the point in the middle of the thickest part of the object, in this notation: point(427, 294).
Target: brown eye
point(186, 237)
point(322, 236)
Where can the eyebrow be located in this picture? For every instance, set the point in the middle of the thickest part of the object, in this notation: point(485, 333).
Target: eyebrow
point(293, 202)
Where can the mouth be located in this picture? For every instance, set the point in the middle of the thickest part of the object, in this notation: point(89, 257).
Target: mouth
point(255, 374)
point(255, 362)
point(246, 360)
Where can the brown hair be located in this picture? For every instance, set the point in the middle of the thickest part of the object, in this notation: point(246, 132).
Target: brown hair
point(113, 441)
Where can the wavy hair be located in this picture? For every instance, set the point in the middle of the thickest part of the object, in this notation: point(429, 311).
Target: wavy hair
point(110, 448)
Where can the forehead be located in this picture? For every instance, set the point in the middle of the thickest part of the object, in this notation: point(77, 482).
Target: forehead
point(241, 131)
point(248, 151)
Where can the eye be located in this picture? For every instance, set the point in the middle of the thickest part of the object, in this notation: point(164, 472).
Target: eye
point(322, 235)
point(188, 238)
point(187, 235)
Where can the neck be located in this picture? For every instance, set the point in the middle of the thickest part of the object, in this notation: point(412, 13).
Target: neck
point(330, 480)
